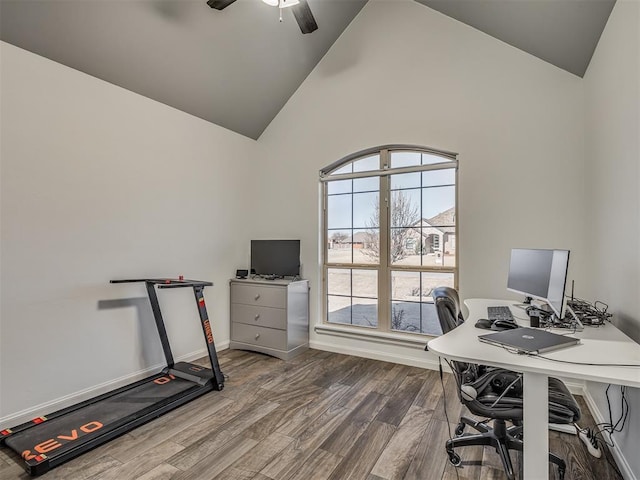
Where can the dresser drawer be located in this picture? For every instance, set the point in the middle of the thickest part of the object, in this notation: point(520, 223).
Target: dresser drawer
point(274, 297)
point(259, 316)
point(262, 336)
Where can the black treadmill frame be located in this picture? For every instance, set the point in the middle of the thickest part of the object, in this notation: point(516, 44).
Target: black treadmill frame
point(204, 379)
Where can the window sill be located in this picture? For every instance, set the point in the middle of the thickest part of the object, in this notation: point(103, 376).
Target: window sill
point(402, 339)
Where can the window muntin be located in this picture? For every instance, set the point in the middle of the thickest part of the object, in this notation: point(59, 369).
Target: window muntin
point(390, 238)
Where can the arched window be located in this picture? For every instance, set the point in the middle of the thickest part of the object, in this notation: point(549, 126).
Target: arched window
point(390, 228)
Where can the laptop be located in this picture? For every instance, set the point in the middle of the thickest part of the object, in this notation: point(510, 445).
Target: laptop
point(529, 340)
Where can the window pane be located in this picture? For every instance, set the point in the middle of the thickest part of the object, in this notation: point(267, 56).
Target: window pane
point(365, 283)
point(449, 249)
point(339, 246)
point(405, 301)
point(436, 201)
point(370, 184)
point(365, 312)
point(348, 168)
point(366, 246)
point(405, 316)
point(429, 319)
point(365, 210)
point(339, 281)
point(367, 164)
point(431, 247)
point(405, 180)
point(405, 286)
point(430, 159)
point(412, 303)
point(443, 220)
point(405, 245)
point(405, 159)
point(431, 280)
point(338, 309)
point(339, 186)
point(339, 211)
point(439, 247)
point(432, 178)
point(405, 208)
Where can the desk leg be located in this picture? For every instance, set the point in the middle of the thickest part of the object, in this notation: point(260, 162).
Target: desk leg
point(536, 426)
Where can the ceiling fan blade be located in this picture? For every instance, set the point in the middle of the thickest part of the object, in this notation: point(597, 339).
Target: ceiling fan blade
point(219, 4)
point(304, 17)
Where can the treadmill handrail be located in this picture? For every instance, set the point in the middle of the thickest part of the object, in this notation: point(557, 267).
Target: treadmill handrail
point(167, 282)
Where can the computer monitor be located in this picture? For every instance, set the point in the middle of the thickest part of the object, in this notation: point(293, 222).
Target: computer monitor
point(541, 274)
point(279, 258)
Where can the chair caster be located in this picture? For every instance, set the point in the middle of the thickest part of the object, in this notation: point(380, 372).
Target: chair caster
point(455, 459)
point(459, 429)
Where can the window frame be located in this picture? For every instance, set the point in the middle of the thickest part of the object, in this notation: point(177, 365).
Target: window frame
point(384, 268)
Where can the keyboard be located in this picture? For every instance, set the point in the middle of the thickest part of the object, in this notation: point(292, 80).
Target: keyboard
point(500, 313)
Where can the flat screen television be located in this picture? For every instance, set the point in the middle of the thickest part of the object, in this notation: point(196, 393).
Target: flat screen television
point(280, 258)
point(540, 274)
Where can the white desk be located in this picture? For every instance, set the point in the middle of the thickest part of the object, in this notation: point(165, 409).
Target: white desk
point(606, 345)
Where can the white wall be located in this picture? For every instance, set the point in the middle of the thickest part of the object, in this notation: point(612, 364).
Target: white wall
point(403, 73)
point(100, 183)
point(612, 98)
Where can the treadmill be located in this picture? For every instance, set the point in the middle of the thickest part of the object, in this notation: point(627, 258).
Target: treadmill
point(48, 441)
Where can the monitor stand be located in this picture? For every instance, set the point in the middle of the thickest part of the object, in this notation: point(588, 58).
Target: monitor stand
point(570, 320)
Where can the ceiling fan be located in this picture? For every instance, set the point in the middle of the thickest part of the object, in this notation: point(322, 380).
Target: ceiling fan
point(300, 9)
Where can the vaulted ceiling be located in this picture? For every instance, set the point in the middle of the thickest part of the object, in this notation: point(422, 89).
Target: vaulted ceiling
point(239, 66)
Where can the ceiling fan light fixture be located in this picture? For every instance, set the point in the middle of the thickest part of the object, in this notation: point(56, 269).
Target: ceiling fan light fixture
point(281, 3)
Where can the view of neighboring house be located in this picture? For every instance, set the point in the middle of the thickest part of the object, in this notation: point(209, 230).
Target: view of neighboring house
point(435, 236)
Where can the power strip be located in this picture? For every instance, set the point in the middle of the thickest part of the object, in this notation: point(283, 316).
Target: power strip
point(564, 428)
point(593, 448)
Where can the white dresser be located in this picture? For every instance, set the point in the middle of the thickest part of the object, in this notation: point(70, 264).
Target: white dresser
point(270, 316)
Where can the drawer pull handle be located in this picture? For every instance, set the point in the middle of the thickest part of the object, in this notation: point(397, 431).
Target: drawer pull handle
point(257, 297)
point(256, 317)
point(257, 336)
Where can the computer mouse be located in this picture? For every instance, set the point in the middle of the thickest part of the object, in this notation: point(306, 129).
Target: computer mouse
point(484, 323)
point(503, 325)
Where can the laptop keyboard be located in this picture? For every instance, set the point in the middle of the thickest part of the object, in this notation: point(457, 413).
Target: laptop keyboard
point(499, 313)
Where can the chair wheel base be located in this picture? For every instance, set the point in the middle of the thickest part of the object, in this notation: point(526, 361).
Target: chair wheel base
point(454, 459)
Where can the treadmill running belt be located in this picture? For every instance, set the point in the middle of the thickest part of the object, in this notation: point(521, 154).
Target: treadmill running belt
point(58, 435)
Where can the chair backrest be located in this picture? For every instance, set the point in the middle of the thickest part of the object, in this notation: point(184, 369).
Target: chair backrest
point(447, 305)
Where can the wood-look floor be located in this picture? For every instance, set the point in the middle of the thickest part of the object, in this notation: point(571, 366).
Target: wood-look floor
point(318, 416)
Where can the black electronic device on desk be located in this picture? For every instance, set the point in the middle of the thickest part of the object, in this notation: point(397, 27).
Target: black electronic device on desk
point(500, 318)
point(541, 274)
point(500, 313)
point(48, 441)
point(496, 325)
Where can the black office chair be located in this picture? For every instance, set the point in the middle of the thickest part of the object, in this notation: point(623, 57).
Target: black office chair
point(496, 394)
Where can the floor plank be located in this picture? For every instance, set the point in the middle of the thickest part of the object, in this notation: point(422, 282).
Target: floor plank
point(355, 424)
point(360, 459)
point(394, 460)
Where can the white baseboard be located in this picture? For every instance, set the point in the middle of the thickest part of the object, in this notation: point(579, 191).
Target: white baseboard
point(619, 458)
point(62, 402)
